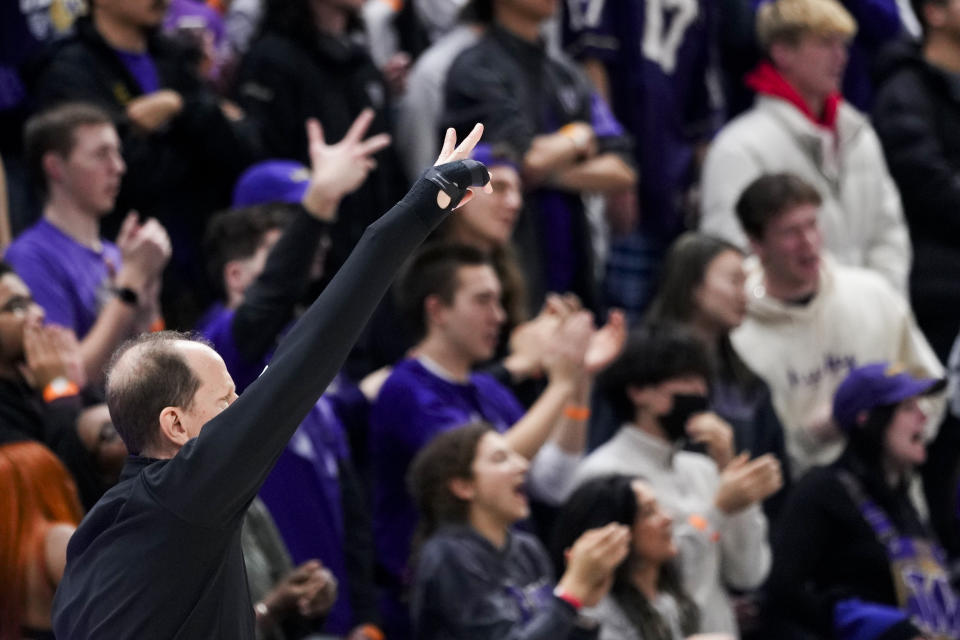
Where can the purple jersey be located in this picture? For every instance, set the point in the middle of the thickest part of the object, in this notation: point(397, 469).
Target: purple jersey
point(415, 405)
point(70, 281)
point(304, 498)
point(660, 87)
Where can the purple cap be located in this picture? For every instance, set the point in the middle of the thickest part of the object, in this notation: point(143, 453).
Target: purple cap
point(271, 181)
point(876, 385)
point(493, 157)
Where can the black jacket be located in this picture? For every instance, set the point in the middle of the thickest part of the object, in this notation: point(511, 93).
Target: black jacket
point(467, 589)
point(915, 113)
point(160, 554)
point(824, 552)
point(283, 81)
point(519, 91)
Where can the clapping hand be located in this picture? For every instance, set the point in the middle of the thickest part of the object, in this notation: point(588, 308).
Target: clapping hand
point(606, 343)
point(744, 483)
point(51, 352)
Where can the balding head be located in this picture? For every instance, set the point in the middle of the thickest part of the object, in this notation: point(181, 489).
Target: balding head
point(146, 375)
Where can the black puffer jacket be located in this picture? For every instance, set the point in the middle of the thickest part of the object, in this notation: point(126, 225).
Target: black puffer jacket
point(916, 112)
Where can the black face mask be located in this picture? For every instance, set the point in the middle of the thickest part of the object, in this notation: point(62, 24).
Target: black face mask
point(685, 405)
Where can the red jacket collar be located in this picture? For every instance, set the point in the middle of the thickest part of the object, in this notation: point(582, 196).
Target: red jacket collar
point(765, 79)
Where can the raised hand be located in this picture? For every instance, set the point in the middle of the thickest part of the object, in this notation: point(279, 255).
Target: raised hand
point(336, 170)
point(451, 152)
point(145, 249)
point(529, 343)
point(49, 354)
point(606, 343)
point(592, 560)
point(744, 483)
point(565, 358)
point(711, 430)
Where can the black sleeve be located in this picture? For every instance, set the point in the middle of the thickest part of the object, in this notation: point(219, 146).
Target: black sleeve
point(214, 476)
point(358, 547)
point(269, 302)
point(929, 184)
point(770, 439)
point(804, 532)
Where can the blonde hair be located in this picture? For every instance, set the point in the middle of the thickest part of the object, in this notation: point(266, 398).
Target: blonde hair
point(787, 20)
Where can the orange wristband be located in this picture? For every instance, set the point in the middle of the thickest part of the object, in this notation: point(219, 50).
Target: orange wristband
point(372, 631)
point(158, 325)
point(578, 413)
point(58, 388)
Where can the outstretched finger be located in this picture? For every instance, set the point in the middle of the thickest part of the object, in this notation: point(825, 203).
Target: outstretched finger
point(375, 143)
point(466, 147)
point(314, 133)
point(128, 228)
point(449, 142)
point(359, 127)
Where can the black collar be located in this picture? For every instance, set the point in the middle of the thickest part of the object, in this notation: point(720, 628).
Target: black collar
point(135, 464)
point(518, 47)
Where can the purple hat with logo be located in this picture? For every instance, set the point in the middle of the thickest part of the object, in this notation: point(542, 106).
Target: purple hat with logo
point(877, 385)
point(271, 181)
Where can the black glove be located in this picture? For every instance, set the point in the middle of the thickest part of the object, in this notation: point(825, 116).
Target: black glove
point(454, 178)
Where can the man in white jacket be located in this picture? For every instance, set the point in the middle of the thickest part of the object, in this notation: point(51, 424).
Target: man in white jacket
point(800, 123)
point(658, 388)
point(810, 320)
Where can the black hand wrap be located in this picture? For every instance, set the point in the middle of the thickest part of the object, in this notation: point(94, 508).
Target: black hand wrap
point(454, 178)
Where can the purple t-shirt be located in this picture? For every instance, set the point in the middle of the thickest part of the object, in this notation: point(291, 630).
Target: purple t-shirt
point(70, 281)
point(415, 405)
point(142, 68)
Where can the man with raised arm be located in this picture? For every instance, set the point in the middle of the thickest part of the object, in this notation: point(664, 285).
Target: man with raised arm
point(160, 554)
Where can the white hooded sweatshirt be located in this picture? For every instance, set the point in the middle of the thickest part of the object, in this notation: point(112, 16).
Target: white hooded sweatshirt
point(804, 351)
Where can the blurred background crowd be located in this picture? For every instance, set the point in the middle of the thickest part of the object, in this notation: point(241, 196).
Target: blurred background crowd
point(712, 296)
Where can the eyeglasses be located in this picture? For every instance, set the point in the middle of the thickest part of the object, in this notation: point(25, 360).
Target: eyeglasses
point(17, 305)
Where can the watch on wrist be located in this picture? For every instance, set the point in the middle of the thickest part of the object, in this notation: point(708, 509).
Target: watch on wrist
point(126, 295)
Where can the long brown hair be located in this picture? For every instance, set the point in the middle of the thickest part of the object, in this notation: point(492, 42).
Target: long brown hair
point(607, 499)
point(37, 491)
point(685, 268)
point(448, 456)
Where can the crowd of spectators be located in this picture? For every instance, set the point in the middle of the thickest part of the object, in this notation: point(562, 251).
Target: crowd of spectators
point(688, 368)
